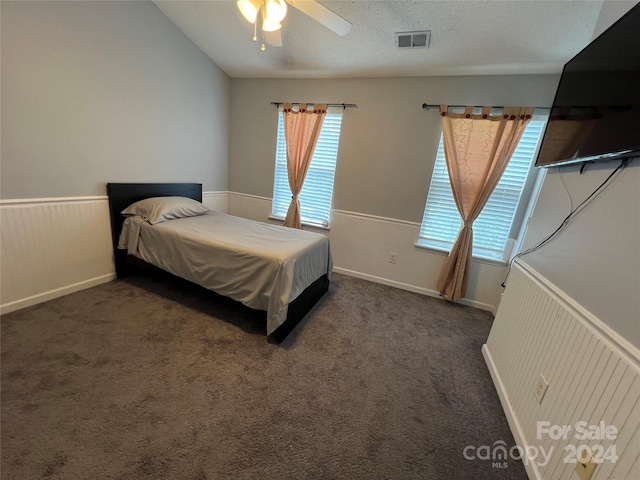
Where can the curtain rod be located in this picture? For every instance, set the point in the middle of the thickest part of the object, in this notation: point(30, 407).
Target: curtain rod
point(343, 105)
point(433, 107)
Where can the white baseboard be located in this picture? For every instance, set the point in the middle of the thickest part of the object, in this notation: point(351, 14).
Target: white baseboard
point(512, 419)
point(58, 292)
point(412, 288)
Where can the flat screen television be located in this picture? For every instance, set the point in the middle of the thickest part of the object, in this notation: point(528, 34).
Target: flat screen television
point(596, 111)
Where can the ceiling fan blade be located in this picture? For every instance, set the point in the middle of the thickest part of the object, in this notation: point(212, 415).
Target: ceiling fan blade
point(273, 38)
point(323, 15)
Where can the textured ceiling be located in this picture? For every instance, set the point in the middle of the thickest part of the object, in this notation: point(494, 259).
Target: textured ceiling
point(467, 38)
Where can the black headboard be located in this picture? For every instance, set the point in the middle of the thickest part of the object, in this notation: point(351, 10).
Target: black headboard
point(121, 195)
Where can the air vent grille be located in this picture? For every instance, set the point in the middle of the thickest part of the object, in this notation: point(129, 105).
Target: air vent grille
point(413, 39)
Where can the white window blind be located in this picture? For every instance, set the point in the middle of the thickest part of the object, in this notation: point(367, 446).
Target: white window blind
point(441, 221)
point(315, 197)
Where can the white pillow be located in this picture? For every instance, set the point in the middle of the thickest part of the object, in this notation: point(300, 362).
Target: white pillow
point(158, 209)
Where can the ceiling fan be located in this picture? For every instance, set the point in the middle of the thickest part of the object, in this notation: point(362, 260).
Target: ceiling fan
point(269, 13)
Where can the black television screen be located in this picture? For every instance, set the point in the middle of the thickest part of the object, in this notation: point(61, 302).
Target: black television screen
point(596, 111)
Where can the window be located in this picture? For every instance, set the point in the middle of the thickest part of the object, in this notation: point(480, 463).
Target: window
point(317, 192)
point(492, 229)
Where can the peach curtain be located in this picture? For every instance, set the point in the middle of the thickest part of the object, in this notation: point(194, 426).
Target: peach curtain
point(301, 131)
point(477, 149)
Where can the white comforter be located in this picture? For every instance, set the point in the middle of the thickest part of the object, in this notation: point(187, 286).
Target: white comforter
point(263, 266)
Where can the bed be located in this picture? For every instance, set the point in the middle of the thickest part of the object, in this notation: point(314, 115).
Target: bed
point(281, 271)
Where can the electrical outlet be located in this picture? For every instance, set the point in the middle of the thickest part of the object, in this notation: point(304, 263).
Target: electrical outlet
point(540, 388)
point(586, 465)
point(393, 257)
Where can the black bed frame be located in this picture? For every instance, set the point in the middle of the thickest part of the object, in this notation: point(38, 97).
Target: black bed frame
point(121, 195)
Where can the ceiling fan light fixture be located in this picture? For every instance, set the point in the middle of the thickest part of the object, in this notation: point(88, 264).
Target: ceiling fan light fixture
point(276, 10)
point(249, 9)
point(269, 25)
point(266, 15)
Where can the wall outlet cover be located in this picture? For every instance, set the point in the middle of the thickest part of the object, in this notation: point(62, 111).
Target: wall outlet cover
point(586, 466)
point(540, 388)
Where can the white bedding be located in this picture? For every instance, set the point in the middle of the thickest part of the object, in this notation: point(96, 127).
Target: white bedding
point(263, 266)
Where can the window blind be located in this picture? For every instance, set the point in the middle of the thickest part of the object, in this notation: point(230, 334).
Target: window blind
point(315, 197)
point(441, 220)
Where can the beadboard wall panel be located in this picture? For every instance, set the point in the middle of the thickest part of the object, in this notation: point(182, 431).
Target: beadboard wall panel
point(52, 247)
point(593, 376)
point(55, 246)
point(249, 206)
point(216, 201)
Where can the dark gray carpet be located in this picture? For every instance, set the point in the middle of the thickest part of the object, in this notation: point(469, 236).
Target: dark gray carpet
point(151, 377)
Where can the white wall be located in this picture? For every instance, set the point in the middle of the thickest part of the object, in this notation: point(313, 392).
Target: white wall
point(97, 92)
point(51, 248)
point(610, 12)
point(596, 258)
point(591, 373)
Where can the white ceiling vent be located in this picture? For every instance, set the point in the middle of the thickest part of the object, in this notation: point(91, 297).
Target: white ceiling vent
point(413, 39)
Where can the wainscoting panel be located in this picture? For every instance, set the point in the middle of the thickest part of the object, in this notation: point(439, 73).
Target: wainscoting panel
point(55, 246)
point(593, 376)
point(361, 246)
point(52, 247)
point(216, 201)
point(249, 206)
